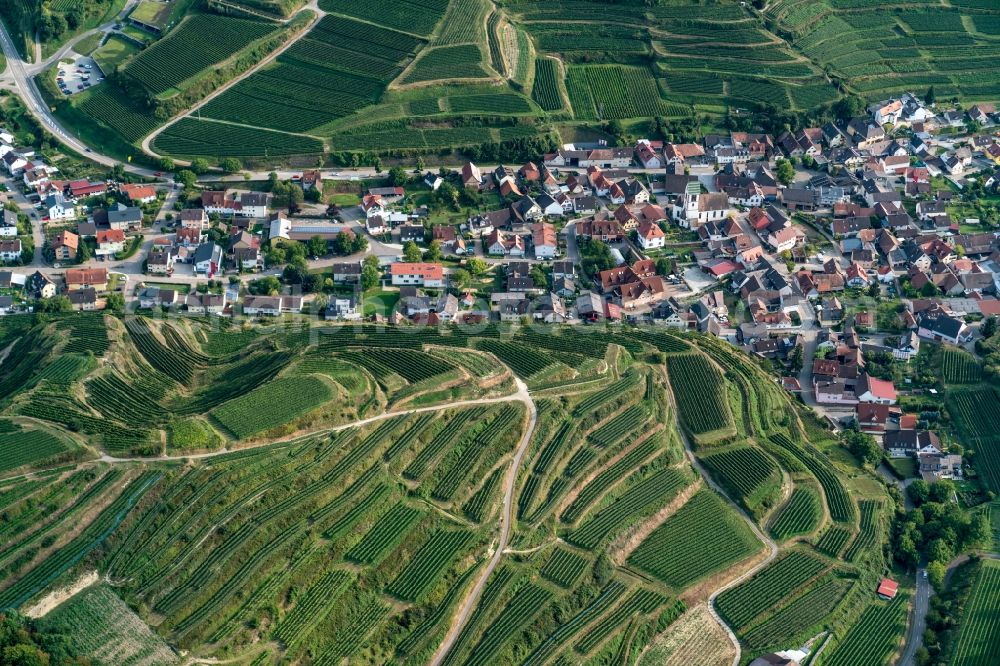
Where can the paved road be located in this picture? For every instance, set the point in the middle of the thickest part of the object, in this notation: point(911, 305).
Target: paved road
point(506, 524)
point(918, 620)
point(17, 71)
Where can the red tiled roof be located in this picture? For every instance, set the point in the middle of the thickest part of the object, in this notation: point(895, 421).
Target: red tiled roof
point(427, 271)
point(888, 588)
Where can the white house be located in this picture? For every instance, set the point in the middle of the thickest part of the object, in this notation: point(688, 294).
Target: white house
point(651, 236)
point(8, 223)
point(58, 208)
point(417, 274)
point(543, 238)
point(207, 259)
point(10, 250)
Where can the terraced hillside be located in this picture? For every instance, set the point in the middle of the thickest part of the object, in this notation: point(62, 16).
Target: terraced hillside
point(363, 476)
point(878, 51)
point(499, 81)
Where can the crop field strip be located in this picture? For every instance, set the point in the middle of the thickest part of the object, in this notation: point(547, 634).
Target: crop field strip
point(801, 514)
point(25, 447)
point(748, 475)
point(71, 553)
point(199, 42)
point(339, 67)
point(980, 629)
point(745, 603)
point(640, 498)
point(959, 367)
point(879, 53)
point(833, 540)
point(700, 392)
point(975, 411)
point(704, 536)
point(114, 633)
point(872, 527)
point(414, 16)
point(564, 567)
point(608, 477)
point(874, 637)
point(837, 498)
point(808, 610)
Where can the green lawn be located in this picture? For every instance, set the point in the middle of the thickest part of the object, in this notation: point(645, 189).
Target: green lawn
point(179, 288)
point(87, 45)
point(379, 301)
point(904, 467)
point(113, 53)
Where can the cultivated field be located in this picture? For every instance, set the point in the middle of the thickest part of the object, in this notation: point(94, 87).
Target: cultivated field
point(980, 630)
point(317, 525)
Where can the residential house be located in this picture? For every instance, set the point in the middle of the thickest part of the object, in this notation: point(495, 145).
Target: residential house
point(550, 206)
point(501, 243)
point(122, 218)
point(346, 272)
point(237, 204)
point(311, 178)
point(83, 300)
point(872, 389)
point(651, 236)
point(58, 208)
point(8, 223)
point(471, 176)
point(109, 242)
point(207, 259)
point(190, 236)
point(344, 308)
point(934, 465)
point(939, 327)
point(271, 306)
point(81, 278)
point(906, 443)
point(193, 218)
point(39, 286)
point(161, 261)
point(82, 188)
point(10, 250)
point(214, 304)
point(417, 274)
point(138, 194)
point(544, 241)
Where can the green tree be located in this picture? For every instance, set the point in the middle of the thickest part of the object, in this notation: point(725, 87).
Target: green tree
point(398, 177)
point(848, 107)
point(231, 165)
point(199, 165)
point(433, 252)
point(460, 278)
point(918, 491)
point(477, 266)
point(603, 569)
point(864, 447)
point(115, 302)
point(167, 164)
point(411, 252)
point(935, 574)
point(187, 178)
point(370, 272)
point(318, 246)
point(989, 327)
point(784, 171)
point(929, 97)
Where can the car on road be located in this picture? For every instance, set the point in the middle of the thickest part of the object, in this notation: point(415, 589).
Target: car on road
point(158, 173)
point(924, 574)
